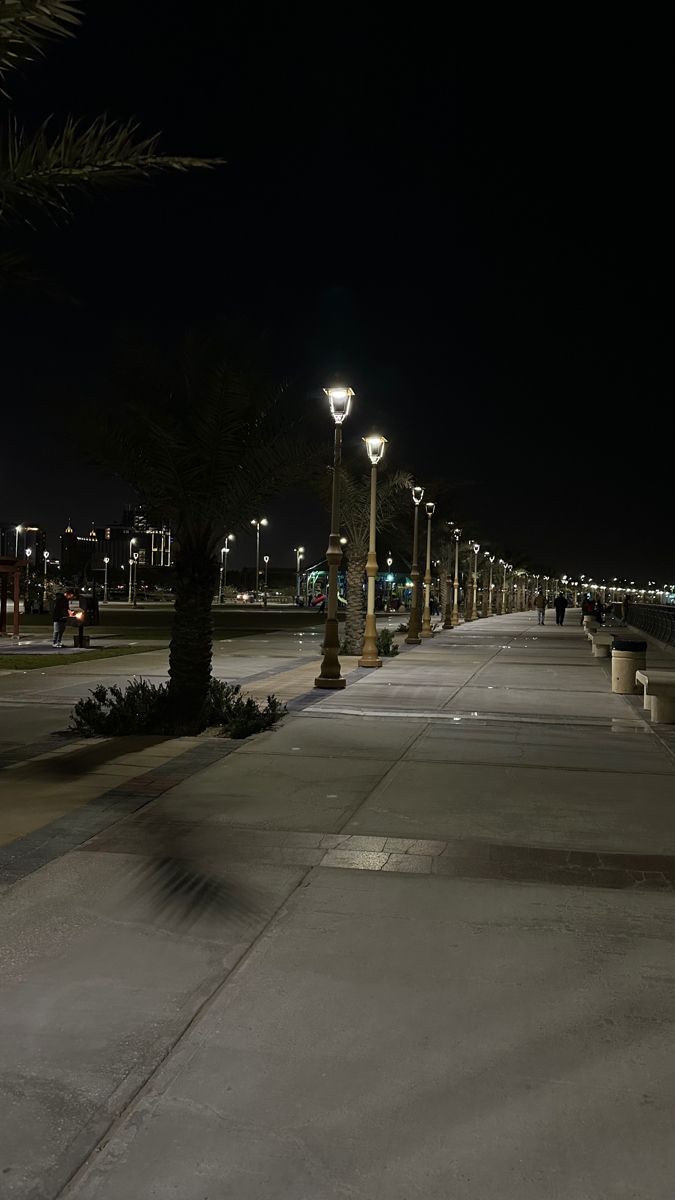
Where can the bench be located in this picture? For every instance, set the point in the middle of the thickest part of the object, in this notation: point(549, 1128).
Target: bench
point(659, 693)
point(602, 640)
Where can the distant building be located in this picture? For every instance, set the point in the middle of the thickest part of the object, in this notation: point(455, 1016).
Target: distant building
point(31, 537)
point(77, 552)
point(135, 535)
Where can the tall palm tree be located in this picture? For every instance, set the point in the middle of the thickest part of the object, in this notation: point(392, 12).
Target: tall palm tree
point(355, 520)
point(42, 172)
point(206, 442)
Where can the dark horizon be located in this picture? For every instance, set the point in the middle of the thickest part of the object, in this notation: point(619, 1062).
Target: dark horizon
point(477, 238)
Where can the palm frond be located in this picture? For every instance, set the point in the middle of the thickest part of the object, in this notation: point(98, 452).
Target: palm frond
point(44, 170)
point(26, 26)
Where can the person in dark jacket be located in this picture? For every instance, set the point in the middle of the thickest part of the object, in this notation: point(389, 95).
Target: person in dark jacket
point(560, 604)
point(60, 618)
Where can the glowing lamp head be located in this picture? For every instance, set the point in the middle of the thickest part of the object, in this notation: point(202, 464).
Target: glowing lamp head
point(417, 495)
point(375, 445)
point(475, 547)
point(430, 507)
point(266, 558)
point(340, 400)
point(45, 554)
point(28, 553)
point(106, 561)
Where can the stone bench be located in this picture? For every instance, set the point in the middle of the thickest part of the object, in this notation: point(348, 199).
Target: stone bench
point(659, 694)
point(602, 640)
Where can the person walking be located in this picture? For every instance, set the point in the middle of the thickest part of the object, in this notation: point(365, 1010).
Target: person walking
point(560, 604)
point(587, 609)
point(60, 618)
point(540, 605)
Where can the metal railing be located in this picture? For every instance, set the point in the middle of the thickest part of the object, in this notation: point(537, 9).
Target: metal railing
point(658, 620)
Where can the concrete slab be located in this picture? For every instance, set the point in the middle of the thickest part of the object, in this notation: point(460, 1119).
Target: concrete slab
point(410, 1037)
point(95, 989)
point(288, 791)
point(579, 809)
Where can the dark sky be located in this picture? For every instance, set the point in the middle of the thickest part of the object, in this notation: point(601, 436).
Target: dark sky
point(471, 222)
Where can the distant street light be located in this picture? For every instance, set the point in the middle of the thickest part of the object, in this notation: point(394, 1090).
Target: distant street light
point(489, 608)
point(266, 559)
point(340, 401)
point(474, 546)
point(413, 635)
point(375, 445)
point(426, 630)
point(222, 584)
point(257, 521)
point(28, 554)
point(45, 556)
point(105, 580)
point(19, 529)
point(135, 575)
point(132, 542)
point(299, 555)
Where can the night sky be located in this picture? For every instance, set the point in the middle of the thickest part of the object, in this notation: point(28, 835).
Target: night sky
point(472, 223)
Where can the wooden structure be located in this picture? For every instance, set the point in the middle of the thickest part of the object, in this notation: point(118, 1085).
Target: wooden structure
point(10, 578)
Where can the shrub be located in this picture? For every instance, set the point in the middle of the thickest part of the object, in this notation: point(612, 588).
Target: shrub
point(386, 646)
point(144, 707)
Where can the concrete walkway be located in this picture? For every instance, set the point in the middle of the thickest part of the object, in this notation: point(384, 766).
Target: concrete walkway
point(457, 983)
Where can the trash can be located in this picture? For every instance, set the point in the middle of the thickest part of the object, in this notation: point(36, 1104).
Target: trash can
point(627, 658)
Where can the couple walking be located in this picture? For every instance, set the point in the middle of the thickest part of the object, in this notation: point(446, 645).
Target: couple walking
point(559, 604)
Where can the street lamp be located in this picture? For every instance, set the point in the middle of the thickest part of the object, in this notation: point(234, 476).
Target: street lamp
point(413, 636)
point(45, 556)
point(134, 573)
point(19, 529)
point(222, 583)
point(426, 631)
point(299, 555)
point(473, 615)
point(488, 606)
point(105, 580)
point(340, 400)
point(266, 560)
point(375, 445)
point(454, 620)
point(28, 554)
point(257, 521)
point(132, 542)
point(390, 580)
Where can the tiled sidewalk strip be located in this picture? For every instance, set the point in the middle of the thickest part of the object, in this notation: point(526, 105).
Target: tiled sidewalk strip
point(465, 858)
point(27, 854)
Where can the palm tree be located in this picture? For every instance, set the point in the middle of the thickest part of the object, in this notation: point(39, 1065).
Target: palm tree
point(206, 442)
point(42, 172)
point(355, 519)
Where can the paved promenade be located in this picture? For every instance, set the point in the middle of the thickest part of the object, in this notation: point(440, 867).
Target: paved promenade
point(457, 982)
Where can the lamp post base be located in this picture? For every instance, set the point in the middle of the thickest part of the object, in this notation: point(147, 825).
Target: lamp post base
point(322, 681)
point(370, 662)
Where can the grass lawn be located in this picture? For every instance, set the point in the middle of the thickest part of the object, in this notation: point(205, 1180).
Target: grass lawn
point(31, 662)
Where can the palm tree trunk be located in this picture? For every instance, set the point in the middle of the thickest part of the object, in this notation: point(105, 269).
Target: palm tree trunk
point(355, 617)
point(191, 647)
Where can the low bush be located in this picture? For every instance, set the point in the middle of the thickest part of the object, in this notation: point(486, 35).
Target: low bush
point(386, 646)
point(144, 707)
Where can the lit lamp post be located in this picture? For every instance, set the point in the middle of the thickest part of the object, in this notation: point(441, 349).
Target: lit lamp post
point(135, 575)
point(132, 543)
point(18, 530)
point(491, 559)
point(222, 583)
point(257, 521)
point(375, 445)
point(473, 612)
point(457, 534)
point(28, 554)
point(299, 555)
point(426, 631)
point(105, 580)
point(390, 563)
point(340, 400)
point(413, 635)
point(266, 560)
point(45, 556)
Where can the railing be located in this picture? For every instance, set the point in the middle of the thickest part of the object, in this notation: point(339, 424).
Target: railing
point(658, 620)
